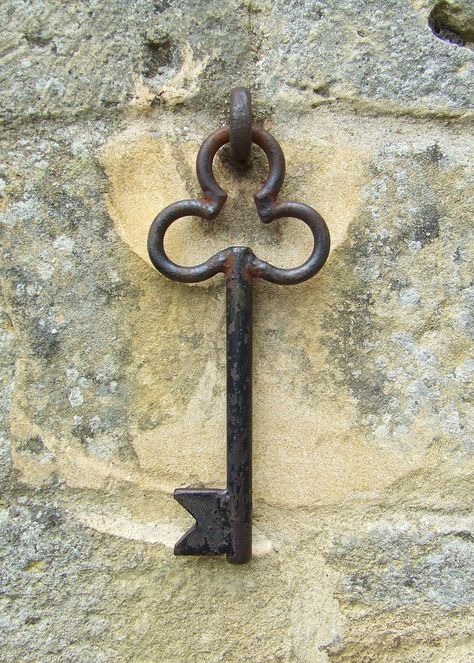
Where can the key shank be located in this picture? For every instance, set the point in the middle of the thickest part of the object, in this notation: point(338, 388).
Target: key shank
point(224, 517)
point(239, 403)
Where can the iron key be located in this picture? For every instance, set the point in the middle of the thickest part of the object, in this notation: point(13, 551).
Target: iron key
point(224, 516)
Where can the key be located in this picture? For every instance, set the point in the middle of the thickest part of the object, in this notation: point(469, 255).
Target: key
point(223, 517)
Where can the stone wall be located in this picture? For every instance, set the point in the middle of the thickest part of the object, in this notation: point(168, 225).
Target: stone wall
point(114, 377)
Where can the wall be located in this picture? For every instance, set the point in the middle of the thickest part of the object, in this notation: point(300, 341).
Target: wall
point(114, 377)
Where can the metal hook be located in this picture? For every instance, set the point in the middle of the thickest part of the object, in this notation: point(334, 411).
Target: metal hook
point(240, 123)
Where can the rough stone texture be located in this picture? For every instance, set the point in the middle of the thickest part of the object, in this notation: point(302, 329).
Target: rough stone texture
point(453, 20)
point(112, 383)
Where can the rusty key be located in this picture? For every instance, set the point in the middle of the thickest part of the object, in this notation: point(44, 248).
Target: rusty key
point(224, 516)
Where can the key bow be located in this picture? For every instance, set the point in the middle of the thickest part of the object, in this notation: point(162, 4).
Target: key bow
point(268, 206)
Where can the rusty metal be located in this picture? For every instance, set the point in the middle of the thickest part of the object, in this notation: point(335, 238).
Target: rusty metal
point(224, 516)
point(240, 124)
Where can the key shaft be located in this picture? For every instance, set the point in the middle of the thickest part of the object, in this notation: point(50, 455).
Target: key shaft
point(239, 403)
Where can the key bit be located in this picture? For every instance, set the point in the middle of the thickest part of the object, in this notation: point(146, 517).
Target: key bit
point(224, 516)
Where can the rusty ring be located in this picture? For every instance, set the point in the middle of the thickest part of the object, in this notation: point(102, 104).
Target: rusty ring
point(240, 124)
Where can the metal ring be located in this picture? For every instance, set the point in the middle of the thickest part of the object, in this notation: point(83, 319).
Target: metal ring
point(240, 123)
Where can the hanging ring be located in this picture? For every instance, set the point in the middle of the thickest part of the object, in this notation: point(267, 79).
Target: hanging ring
point(240, 124)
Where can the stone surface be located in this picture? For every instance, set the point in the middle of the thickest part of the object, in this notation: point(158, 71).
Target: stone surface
point(453, 20)
point(113, 378)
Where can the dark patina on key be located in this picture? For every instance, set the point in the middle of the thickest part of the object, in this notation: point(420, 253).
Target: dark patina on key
point(224, 516)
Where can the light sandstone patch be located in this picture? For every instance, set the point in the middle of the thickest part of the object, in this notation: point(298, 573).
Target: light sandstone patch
point(315, 456)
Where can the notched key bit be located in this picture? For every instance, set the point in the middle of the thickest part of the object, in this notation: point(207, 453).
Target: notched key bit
point(224, 516)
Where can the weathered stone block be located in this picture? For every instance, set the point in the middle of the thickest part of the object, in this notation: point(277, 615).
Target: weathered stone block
point(112, 386)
